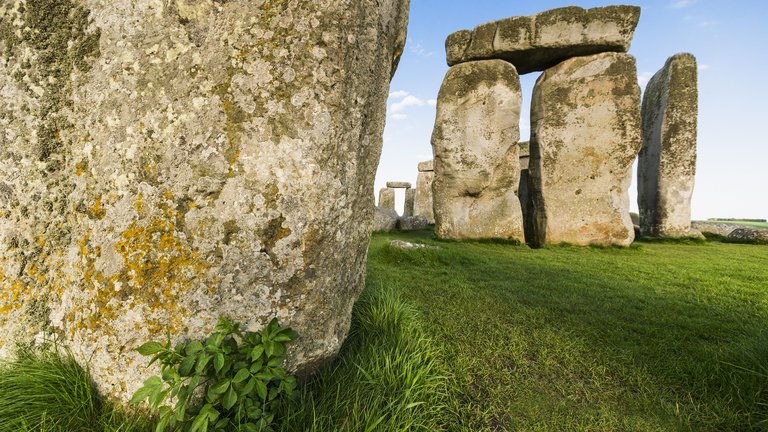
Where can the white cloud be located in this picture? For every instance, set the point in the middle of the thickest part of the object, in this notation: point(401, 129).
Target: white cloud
point(680, 4)
point(703, 67)
point(398, 94)
point(432, 102)
point(643, 78)
point(418, 49)
point(398, 116)
point(407, 101)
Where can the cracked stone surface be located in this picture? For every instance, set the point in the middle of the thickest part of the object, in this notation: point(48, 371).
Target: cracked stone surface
point(163, 163)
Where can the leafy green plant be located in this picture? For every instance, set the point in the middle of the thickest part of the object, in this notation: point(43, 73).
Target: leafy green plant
point(232, 381)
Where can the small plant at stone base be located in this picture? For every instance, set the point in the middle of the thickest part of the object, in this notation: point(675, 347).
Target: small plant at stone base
point(240, 376)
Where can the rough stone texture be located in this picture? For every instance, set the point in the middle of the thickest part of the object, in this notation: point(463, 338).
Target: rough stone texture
point(387, 198)
point(426, 166)
point(635, 218)
point(412, 223)
point(410, 195)
point(718, 228)
point(163, 163)
point(399, 244)
point(398, 185)
point(667, 163)
point(423, 202)
point(476, 154)
point(384, 220)
point(748, 235)
point(585, 134)
point(537, 42)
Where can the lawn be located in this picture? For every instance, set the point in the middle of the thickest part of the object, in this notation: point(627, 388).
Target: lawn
point(657, 337)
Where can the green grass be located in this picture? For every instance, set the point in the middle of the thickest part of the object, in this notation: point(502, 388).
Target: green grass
point(658, 337)
point(42, 391)
point(482, 336)
point(741, 222)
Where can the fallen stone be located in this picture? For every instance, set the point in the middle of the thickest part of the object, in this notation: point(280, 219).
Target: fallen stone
point(748, 235)
point(538, 42)
point(667, 162)
point(423, 202)
point(585, 135)
point(412, 223)
point(387, 198)
point(427, 166)
point(410, 195)
point(717, 228)
point(474, 141)
point(384, 220)
point(408, 245)
point(177, 162)
point(399, 185)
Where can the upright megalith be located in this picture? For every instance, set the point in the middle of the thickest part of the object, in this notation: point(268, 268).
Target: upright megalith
point(410, 196)
point(585, 134)
point(164, 163)
point(423, 202)
point(667, 163)
point(387, 198)
point(537, 42)
point(524, 190)
point(476, 155)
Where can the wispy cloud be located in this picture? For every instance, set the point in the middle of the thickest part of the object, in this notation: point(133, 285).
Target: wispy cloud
point(419, 49)
point(704, 67)
point(643, 78)
point(406, 102)
point(398, 94)
point(401, 101)
point(432, 102)
point(680, 4)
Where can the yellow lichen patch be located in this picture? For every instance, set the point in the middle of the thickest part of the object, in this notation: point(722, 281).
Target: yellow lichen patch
point(97, 209)
point(11, 292)
point(81, 167)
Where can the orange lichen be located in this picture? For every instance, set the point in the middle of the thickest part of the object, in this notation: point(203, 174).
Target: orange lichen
point(11, 292)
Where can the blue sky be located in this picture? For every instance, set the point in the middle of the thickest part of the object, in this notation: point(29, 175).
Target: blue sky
point(728, 38)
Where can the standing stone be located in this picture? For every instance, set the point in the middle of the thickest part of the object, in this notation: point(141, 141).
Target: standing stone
point(410, 195)
point(667, 163)
point(387, 198)
point(164, 163)
point(524, 190)
point(423, 202)
point(398, 185)
point(585, 134)
point(476, 155)
point(384, 220)
point(537, 42)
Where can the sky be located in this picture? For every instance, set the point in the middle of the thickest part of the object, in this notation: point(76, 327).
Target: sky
point(728, 39)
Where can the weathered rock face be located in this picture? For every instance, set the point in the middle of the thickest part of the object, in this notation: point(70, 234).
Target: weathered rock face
point(411, 223)
point(387, 198)
point(165, 163)
point(718, 228)
point(535, 43)
point(398, 185)
point(384, 220)
point(749, 235)
point(667, 162)
point(422, 201)
point(524, 190)
point(426, 166)
point(585, 134)
point(476, 155)
point(410, 196)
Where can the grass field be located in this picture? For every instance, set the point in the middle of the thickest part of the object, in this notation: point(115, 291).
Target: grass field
point(657, 337)
point(482, 336)
point(742, 222)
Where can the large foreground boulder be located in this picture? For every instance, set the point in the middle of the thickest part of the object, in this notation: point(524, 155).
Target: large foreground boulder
point(384, 219)
point(667, 163)
point(585, 134)
point(476, 154)
point(535, 43)
point(163, 163)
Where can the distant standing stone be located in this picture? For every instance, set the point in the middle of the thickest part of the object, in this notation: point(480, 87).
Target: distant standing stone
point(387, 198)
point(427, 166)
point(398, 185)
point(423, 202)
point(476, 154)
point(410, 194)
point(534, 43)
point(585, 134)
point(667, 163)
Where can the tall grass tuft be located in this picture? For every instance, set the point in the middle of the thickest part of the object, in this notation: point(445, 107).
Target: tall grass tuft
point(385, 378)
point(43, 391)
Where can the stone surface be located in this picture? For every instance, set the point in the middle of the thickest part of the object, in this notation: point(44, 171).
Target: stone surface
point(635, 218)
point(412, 223)
point(408, 245)
point(398, 185)
point(410, 195)
point(667, 163)
point(718, 228)
point(748, 235)
point(384, 219)
point(476, 154)
point(163, 163)
point(387, 198)
point(537, 42)
point(427, 166)
point(423, 202)
point(585, 134)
